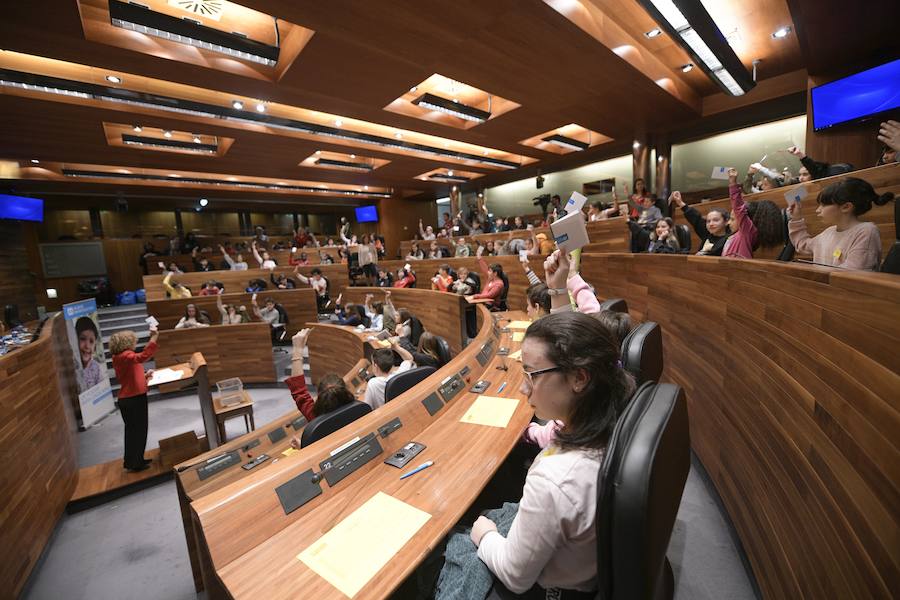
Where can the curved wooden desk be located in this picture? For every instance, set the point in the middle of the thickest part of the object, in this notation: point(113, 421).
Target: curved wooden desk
point(40, 470)
point(243, 350)
point(335, 349)
point(792, 377)
point(219, 518)
point(300, 305)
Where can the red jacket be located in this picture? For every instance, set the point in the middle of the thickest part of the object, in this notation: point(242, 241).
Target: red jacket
point(301, 395)
point(405, 282)
point(130, 372)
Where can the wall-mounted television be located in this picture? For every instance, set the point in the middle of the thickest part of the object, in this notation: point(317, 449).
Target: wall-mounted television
point(366, 214)
point(862, 95)
point(21, 208)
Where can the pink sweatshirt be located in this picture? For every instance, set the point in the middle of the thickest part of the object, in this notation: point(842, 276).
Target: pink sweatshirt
point(542, 435)
point(741, 242)
point(584, 296)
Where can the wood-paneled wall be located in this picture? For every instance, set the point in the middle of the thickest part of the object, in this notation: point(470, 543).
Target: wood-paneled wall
point(37, 442)
point(300, 305)
point(793, 385)
point(235, 281)
point(243, 351)
point(884, 179)
point(16, 281)
point(333, 349)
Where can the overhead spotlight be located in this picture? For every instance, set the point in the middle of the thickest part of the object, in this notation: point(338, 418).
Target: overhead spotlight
point(480, 195)
point(413, 88)
point(35, 161)
point(197, 139)
point(653, 33)
point(450, 173)
point(138, 129)
point(636, 145)
point(398, 135)
point(203, 201)
point(338, 123)
point(167, 134)
point(454, 188)
point(318, 152)
point(687, 68)
point(659, 158)
point(237, 105)
point(365, 187)
point(352, 156)
point(113, 79)
point(260, 107)
point(781, 33)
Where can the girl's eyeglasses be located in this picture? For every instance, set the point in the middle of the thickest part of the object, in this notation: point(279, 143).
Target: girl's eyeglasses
point(530, 375)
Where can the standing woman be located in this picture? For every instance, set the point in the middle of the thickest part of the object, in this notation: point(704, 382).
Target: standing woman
point(133, 393)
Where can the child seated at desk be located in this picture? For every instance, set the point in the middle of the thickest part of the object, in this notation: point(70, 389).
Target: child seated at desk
point(332, 391)
point(383, 366)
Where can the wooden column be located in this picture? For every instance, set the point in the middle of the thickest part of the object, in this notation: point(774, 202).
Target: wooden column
point(399, 220)
point(454, 201)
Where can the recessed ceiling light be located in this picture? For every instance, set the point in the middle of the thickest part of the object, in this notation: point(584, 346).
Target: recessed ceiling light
point(174, 175)
point(653, 33)
point(454, 188)
point(636, 145)
point(260, 107)
point(113, 79)
point(167, 134)
point(365, 187)
point(35, 161)
point(398, 135)
point(352, 156)
point(203, 201)
point(338, 123)
point(318, 152)
point(480, 195)
point(781, 33)
point(450, 173)
point(196, 139)
point(138, 129)
point(237, 105)
point(687, 68)
point(413, 88)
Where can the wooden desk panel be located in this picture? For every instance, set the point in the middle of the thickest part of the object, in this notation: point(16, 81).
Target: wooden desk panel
point(884, 179)
point(442, 314)
point(219, 517)
point(37, 441)
point(792, 378)
point(300, 305)
point(237, 281)
point(333, 349)
point(186, 261)
point(243, 351)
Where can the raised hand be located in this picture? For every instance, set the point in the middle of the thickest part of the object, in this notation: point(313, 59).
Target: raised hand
point(676, 198)
point(889, 133)
point(793, 209)
point(751, 169)
point(796, 151)
point(732, 174)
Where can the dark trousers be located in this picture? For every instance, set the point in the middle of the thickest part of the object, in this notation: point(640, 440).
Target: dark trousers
point(134, 414)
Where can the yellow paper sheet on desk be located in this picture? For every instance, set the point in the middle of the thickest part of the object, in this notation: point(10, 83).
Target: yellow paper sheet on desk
point(518, 336)
point(358, 547)
point(519, 324)
point(289, 451)
point(491, 411)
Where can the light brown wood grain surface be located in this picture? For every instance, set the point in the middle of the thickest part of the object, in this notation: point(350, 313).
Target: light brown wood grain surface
point(243, 350)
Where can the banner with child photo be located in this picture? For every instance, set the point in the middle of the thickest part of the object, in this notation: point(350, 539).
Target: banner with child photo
point(94, 392)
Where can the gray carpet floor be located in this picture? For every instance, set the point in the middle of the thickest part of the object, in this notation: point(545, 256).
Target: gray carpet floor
point(134, 548)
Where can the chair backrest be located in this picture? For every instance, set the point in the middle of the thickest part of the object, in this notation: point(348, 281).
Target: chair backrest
point(416, 329)
point(282, 314)
point(787, 253)
point(891, 262)
point(364, 318)
point(683, 235)
point(326, 424)
point(615, 304)
point(642, 352)
point(401, 382)
point(477, 279)
point(838, 169)
point(641, 482)
point(444, 352)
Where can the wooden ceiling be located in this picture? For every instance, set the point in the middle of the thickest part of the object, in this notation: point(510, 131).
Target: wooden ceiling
point(359, 60)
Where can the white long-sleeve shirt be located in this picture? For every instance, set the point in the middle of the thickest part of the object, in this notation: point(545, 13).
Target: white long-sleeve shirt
point(375, 387)
point(552, 540)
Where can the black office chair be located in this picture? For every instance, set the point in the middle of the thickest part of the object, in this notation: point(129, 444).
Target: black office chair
point(615, 304)
point(501, 303)
point(640, 486)
point(683, 235)
point(642, 352)
point(326, 424)
point(891, 263)
point(416, 329)
point(406, 380)
point(444, 353)
point(787, 253)
point(838, 169)
point(477, 279)
point(364, 318)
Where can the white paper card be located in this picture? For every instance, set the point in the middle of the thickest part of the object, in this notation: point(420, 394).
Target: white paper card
point(575, 203)
point(161, 376)
point(152, 322)
point(569, 232)
point(719, 173)
point(795, 195)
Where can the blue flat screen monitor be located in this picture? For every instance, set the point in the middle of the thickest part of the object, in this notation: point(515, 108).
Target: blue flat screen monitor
point(366, 214)
point(21, 208)
point(865, 94)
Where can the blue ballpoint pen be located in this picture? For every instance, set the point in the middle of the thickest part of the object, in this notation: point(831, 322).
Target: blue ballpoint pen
point(502, 387)
point(421, 467)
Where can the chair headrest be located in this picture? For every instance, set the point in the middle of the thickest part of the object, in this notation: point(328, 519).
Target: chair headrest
point(615, 304)
point(326, 424)
point(642, 352)
point(406, 380)
point(444, 353)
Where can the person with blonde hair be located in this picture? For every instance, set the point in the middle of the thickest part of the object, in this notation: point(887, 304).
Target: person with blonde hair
point(128, 365)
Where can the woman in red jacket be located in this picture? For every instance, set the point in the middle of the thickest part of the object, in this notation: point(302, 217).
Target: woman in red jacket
point(133, 393)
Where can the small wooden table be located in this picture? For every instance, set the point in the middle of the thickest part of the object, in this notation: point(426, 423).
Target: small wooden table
point(242, 409)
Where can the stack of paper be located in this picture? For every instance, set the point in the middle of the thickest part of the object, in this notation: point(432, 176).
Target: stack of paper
point(161, 376)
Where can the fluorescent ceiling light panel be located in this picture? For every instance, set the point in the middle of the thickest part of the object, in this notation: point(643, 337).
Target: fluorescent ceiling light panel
point(566, 142)
point(444, 105)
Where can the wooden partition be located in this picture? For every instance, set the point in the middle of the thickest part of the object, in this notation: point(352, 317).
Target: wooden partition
point(221, 517)
point(484, 238)
point(282, 257)
point(441, 314)
point(884, 179)
point(243, 351)
point(300, 305)
point(237, 281)
point(37, 441)
point(518, 282)
point(792, 378)
point(334, 349)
